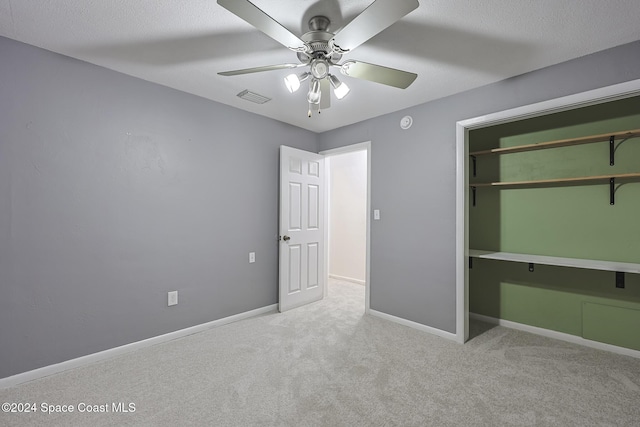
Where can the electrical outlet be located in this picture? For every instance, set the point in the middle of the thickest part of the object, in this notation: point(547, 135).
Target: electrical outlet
point(172, 298)
point(252, 257)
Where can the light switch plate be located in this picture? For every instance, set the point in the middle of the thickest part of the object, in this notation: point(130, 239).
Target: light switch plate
point(172, 298)
point(376, 214)
point(252, 257)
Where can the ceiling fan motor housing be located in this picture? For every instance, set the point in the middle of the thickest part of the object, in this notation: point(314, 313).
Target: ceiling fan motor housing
point(318, 41)
point(319, 23)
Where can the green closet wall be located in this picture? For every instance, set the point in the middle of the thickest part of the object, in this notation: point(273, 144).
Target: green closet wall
point(574, 221)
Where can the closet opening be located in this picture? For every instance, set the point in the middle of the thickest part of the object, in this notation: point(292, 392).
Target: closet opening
point(569, 204)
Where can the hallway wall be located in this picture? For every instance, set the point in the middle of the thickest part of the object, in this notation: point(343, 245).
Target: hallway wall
point(347, 216)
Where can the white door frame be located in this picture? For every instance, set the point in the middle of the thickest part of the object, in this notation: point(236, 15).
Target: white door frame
point(363, 146)
point(584, 99)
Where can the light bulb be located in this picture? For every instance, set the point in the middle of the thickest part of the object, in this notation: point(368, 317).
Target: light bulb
point(341, 91)
point(292, 82)
point(339, 88)
point(314, 92)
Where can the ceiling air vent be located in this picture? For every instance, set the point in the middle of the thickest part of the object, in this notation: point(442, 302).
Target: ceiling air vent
point(253, 97)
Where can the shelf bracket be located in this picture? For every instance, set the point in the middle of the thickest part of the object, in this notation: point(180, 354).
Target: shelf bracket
point(612, 191)
point(531, 267)
point(473, 195)
point(612, 150)
point(473, 160)
point(620, 279)
point(470, 262)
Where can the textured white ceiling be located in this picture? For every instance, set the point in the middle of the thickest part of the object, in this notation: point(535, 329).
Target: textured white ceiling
point(452, 45)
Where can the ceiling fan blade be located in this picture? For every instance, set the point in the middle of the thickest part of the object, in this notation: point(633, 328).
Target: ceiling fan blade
point(248, 12)
point(375, 18)
point(325, 91)
point(260, 69)
point(378, 73)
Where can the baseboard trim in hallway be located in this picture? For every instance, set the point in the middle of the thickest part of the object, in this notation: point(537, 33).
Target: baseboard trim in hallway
point(347, 279)
point(46, 371)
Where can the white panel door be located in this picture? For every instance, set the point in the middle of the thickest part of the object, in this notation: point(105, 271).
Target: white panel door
point(301, 227)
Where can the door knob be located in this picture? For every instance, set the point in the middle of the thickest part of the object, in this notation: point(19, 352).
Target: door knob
point(286, 238)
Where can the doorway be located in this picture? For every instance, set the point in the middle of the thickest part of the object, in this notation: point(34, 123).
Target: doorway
point(347, 211)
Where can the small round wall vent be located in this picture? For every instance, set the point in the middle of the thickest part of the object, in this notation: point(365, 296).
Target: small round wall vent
point(406, 122)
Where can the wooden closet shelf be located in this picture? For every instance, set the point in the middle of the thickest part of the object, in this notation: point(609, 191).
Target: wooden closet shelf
point(584, 179)
point(559, 143)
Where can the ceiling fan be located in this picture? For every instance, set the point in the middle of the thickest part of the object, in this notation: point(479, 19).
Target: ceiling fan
point(319, 49)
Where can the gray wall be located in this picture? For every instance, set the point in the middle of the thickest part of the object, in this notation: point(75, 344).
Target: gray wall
point(413, 180)
point(114, 191)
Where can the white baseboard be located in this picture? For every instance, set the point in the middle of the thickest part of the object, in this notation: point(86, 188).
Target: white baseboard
point(557, 335)
point(347, 279)
point(414, 325)
point(117, 351)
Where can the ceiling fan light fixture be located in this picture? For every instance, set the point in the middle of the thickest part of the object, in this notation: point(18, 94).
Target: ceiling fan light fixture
point(292, 81)
point(340, 89)
point(320, 49)
point(314, 92)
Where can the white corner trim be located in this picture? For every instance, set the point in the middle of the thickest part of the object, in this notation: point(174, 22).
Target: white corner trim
point(414, 325)
point(127, 348)
point(574, 339)
point(462, 236)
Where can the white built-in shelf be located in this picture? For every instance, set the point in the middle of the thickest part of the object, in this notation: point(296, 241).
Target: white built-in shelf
point(623, 267)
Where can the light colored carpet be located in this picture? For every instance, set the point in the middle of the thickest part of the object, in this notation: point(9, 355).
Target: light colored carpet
point(329, 365)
